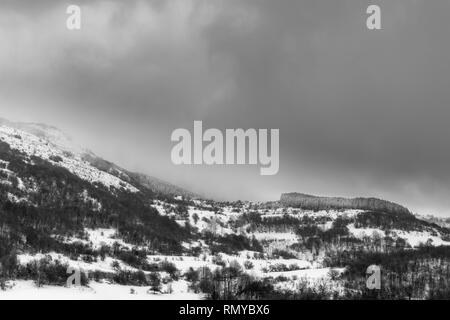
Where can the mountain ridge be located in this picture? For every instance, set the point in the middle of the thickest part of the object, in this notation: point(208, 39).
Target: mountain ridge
point(307, 201)
point(61, 140)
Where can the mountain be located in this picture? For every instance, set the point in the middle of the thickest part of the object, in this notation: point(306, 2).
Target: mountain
point(63, 207)
point(50, 186)
point(59, 144)
point(305, 201)
point(163, 188)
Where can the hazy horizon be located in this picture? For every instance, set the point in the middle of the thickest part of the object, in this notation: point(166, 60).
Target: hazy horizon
point(361, 113)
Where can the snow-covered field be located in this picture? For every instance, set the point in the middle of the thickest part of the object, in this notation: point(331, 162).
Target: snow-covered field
point(97, 238)
point(27, 290)
point(276, 236)
point(413, 238)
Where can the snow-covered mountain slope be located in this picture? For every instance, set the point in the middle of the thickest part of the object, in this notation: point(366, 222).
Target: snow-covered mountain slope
point(53, 145)
point(51, 134)
point(59, 155)
point(279, 224)
point(63, 207)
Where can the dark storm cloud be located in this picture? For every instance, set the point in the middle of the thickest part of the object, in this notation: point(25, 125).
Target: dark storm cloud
point(360, 112)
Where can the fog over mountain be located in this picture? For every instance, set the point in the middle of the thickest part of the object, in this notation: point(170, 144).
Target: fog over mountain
point(360, 113)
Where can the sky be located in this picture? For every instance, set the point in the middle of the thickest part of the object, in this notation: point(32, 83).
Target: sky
point(360, 112)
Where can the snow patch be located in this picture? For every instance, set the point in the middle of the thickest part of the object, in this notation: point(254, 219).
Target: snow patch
point(32, 145)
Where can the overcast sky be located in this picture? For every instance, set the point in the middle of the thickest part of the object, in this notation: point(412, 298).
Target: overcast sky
point(360, 112)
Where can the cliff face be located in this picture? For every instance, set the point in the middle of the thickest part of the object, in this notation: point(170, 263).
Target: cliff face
point(309, 202)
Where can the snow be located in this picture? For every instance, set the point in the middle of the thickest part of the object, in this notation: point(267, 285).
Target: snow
point(319, 279)
point(20, 184)
point(62, 152)
point(300, 213)
point(365, 232)
point(27, 290)
point(99, 265)
point(415, 238)
point(94, 202)
point(159, 206)
point(309, 274)
point(183, 263)
point(16, 199)
point(215, 222)
point(275, 236)
point(100, 237)
point(56, 136)
point(33, 145)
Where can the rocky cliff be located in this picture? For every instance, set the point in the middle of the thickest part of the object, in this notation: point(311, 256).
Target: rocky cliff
point(311, 202)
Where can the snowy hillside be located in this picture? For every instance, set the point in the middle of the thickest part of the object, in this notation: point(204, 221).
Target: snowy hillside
point(60, 154)
point(132, 237)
